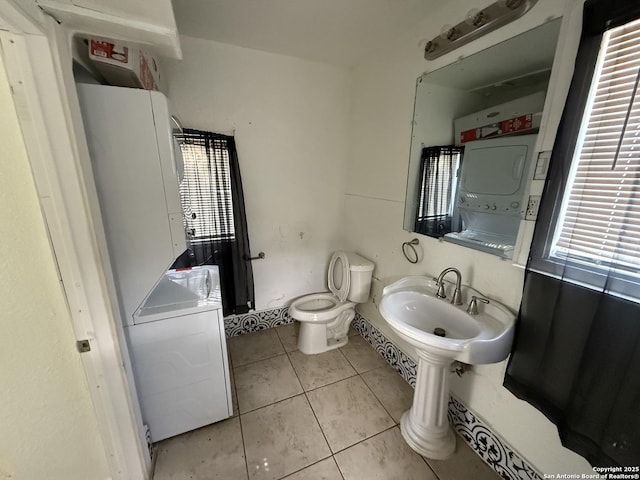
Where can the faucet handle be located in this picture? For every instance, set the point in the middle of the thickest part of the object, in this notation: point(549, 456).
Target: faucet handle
point(472, 309)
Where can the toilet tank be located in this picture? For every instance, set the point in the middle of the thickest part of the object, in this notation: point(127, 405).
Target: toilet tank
point(360, 270)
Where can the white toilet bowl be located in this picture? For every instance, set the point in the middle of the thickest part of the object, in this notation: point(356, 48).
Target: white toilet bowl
point(325, 317)
point(324, 321)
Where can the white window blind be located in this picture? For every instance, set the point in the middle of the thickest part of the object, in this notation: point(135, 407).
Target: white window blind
point(600, 219)
point(206, 189)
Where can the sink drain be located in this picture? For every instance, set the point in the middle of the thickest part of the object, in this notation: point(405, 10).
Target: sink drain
point(440, 332)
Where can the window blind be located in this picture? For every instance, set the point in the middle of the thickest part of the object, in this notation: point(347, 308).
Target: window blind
point(437, 181)
point(205, 189)
point(600, 219)
point(438, 170)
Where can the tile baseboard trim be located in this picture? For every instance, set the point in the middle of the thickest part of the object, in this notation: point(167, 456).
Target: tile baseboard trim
point(252, 322)
point(489, 446)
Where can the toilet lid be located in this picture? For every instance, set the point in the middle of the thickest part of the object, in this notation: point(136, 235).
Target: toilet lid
point(339, 278)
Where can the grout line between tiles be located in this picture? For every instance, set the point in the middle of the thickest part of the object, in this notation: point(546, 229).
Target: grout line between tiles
point(259, 360)
point(244, 448)
point(317, 420)
point(430, 467)
point(338, 465)
point(319, 386)
point(365, 439)
point(270, 404)
point(311, 407)
point(347, 358)
point(376, 397)
point(304, 392)
point(319, 424)
point(256, 361)
point(357, 374)
point(311, 465)
point(330, 383)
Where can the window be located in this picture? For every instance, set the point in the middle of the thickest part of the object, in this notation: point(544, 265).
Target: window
point(205, 189)
point(598, 227)
point(438, 174)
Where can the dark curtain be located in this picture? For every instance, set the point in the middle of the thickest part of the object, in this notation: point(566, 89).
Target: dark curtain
point(438, 171)
point(576, 354)
point(223, 239)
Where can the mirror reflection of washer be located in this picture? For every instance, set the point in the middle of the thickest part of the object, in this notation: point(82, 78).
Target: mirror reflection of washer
point(494, 180)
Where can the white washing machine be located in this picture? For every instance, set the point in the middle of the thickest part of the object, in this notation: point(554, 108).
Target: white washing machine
point(179, 353)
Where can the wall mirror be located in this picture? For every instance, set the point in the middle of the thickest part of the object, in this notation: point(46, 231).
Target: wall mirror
point(474, 130)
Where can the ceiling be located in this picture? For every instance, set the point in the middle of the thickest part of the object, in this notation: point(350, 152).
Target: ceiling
point(340, 32)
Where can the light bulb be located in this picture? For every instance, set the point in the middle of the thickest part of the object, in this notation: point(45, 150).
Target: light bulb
point(430, 47)
point(449, 33)
point(476, 18)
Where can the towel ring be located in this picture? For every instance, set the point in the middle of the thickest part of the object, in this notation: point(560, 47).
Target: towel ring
point(412, 256)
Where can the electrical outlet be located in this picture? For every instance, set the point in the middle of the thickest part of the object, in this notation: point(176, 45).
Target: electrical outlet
point(532, 207)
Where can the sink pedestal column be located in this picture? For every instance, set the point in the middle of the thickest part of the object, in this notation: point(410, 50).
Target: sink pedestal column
point(425, 426)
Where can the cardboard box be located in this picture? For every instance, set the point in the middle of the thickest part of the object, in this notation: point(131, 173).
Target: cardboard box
point(516, 116)
point(124, 66)
point(511, 125)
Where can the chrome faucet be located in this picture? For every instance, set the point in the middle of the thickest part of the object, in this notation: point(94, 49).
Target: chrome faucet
point(457, 298)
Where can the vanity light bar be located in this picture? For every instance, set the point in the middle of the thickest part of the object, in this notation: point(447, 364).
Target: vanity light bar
point(476, 24)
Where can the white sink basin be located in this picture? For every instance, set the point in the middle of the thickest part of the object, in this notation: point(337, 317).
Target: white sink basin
point(413, 311)
point(411, 308)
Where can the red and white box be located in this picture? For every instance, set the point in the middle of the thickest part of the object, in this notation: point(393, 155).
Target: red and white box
point(124, 66)
point(511, 118)
point(512, 125)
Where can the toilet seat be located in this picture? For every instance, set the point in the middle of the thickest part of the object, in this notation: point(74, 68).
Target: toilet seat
point(318, 307)
point(338, 276)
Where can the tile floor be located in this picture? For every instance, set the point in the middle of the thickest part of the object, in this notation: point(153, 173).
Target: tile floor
point(332, 416)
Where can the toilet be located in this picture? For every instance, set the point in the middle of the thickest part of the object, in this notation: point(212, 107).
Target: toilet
point(325, 317)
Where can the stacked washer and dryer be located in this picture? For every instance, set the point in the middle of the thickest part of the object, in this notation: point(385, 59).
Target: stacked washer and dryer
point(172, 318)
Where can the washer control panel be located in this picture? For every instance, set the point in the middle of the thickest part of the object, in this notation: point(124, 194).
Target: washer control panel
point(482, 203)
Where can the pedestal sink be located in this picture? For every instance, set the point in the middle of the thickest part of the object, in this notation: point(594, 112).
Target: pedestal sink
point(413, 311)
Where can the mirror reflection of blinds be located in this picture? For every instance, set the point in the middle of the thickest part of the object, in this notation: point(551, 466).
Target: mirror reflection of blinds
point(206, 188)
point(600, 219)
point(438, 171)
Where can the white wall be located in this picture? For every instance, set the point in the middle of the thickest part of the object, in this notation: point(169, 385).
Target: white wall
point(296, 138)
point(290, 118)
point(47, 421)
point(375, 192)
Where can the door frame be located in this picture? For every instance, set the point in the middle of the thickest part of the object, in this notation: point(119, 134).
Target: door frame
point(38, 62)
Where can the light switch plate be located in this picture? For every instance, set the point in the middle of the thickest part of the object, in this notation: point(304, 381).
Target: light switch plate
point(542, 166)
